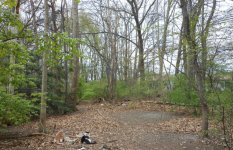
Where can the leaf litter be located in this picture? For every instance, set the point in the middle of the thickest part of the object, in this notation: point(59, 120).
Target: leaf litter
point(105, 124)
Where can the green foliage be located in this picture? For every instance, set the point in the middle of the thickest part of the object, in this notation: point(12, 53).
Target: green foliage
point(16, 71)
point(57, 106)
point(78, 1)
point(223, 98)
point(221, 104)
point(137, 89)
point(14, 110)
point(11, 29)
point(9, 3)
point(131, 89)
point(122, 89)
point(183, 93)
point(15, 28)
point(53, 45)
point(93, 90)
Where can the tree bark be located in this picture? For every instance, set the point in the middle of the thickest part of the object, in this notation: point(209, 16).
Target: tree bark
point(164, 42)
point(178, 59)
point(198, 68)
point(63, 29)
point(200, 82)
point(54, 15)
point(42, 124)
point(126, 59)
point(33, 16)
point(72, 101)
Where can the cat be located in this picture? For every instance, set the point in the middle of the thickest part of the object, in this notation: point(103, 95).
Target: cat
point(59, 137)
point(86, 139)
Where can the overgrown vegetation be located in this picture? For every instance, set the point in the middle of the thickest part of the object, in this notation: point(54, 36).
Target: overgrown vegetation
point(182, 93)
point(131, 89)
point(15, 110)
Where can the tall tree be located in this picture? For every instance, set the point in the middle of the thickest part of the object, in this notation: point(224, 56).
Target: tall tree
point(71, 102)
point(178, 59)
point(135, 12)
point(63, 29)
point(190, 21)
point(162, 51)
point(42, 124)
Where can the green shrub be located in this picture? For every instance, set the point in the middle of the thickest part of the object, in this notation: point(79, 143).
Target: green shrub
point(221, 104)
point(94, 89)
point(223, 98)
point(137, 89)
point(56, 107)
point(56, 104)
point(14, 110)
point(131, 89)
point(122, 89)
point(183, 93)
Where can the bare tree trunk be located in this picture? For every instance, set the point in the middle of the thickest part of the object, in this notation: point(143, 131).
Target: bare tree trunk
point(179, 53)
point(126, 61)
point(135, 8)
point(112, 84)
point(141, 66)
point(201, 69)
point(184, 47)
point(33, 16)
point(112, 67)
point(54, 15)
point(201, 94)
point(42, 124)
point(64, 48)
point(164, 42)
point(135, 71)
point(74, 86)
point(158, 30)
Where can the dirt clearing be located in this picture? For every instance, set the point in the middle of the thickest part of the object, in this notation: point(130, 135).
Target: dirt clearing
point(132, 126)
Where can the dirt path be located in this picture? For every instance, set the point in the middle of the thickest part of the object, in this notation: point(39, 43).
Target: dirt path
point(147, 137)
point(132, 126)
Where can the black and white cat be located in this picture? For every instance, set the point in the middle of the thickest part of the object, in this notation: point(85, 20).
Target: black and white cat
point(85, 139)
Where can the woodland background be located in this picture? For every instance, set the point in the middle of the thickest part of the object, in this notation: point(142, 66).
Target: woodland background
point(57, 53)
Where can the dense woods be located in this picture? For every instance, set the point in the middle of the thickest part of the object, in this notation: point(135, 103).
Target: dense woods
point(55, 54)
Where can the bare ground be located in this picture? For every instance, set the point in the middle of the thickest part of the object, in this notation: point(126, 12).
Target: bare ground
point(130, 126)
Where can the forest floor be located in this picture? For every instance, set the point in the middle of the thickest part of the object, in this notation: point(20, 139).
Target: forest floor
point(141, 125)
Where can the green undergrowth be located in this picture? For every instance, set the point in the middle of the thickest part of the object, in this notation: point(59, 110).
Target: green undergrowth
point(14, 110)
point(131, 89)
point(182, 92)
